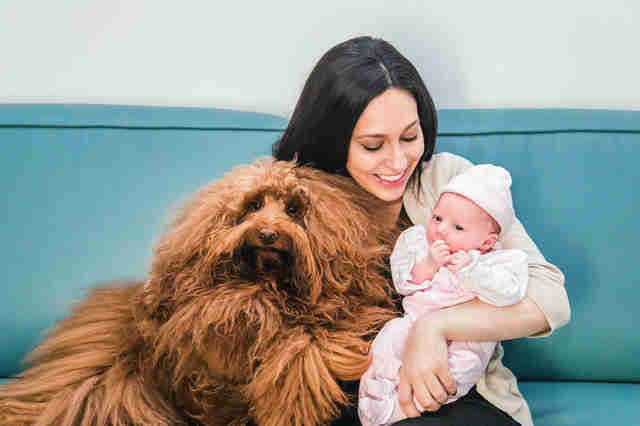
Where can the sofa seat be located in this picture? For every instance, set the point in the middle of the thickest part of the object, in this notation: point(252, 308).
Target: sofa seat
point(583, 403)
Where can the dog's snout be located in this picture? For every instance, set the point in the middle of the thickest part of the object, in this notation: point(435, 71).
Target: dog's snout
point(268, 236)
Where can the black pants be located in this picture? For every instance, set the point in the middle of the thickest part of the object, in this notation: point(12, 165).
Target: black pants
point(471, 409)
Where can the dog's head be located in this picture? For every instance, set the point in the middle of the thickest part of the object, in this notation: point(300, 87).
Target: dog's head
point(301, 232)
point(269, 238)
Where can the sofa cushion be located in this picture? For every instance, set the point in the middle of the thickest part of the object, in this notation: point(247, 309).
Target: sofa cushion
point(582, 403)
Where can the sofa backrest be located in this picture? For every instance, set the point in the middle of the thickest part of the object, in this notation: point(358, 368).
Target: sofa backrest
point(89, 189)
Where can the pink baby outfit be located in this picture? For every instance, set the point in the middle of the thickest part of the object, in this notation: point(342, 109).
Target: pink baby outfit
point(498, 277)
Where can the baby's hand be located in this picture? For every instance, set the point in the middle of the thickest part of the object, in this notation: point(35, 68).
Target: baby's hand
point(427, 267)
point(439, 253)
point(458, 260)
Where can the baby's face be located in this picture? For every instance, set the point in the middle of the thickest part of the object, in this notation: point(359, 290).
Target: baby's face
point(460, 223)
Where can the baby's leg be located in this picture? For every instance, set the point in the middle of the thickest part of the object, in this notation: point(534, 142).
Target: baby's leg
point(377, 399)
point(467, 363)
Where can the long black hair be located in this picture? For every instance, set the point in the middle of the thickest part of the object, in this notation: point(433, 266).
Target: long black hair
point(339, 88)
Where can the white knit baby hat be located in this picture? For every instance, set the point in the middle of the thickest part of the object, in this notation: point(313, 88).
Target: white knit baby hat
point(487, 186)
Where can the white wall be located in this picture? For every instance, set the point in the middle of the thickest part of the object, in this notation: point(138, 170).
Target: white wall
point(256, 55)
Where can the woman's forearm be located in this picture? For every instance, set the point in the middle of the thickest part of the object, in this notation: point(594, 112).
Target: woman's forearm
point(479, 321)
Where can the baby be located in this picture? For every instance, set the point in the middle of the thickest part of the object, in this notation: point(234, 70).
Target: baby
point(454, 260)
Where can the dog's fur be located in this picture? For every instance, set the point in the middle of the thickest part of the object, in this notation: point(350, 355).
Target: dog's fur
point(262, 297)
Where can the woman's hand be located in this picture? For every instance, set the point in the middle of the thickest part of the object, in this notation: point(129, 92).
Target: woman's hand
point(424, 377)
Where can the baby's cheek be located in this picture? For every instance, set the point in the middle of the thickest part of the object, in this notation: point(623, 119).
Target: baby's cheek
point(430, 238)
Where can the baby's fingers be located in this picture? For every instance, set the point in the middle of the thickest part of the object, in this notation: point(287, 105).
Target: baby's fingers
point(439, 245)
point(441, 251)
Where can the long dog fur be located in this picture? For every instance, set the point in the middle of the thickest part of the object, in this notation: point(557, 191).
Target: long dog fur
point(262, 297)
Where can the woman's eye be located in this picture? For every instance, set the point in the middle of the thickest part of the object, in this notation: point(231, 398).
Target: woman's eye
point(459, 228)
point(372, 148)
point(437, 218)
point(410, 138)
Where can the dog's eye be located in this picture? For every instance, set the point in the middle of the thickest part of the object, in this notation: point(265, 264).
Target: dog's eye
point(294, 209)
point(254, 205)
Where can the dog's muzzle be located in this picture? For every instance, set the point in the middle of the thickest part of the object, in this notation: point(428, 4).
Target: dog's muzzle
point(268, 251)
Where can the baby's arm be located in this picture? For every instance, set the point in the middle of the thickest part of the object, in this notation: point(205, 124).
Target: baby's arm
point(410, 249)
point(499, 277)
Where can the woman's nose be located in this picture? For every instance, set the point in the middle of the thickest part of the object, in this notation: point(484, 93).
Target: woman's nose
point(397, 160)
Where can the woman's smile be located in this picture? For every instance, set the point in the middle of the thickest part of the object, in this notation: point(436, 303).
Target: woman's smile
point(391, 180)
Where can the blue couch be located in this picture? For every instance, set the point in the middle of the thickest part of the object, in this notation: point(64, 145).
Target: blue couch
point(88, 189)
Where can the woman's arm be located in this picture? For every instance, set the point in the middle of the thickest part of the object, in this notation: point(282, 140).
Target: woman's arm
point(479, 321)
point(546, 282)
point(425, 373)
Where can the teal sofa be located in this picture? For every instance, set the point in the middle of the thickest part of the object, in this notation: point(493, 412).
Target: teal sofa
point(88, 189)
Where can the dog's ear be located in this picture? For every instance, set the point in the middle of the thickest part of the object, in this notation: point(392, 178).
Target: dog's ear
point(348, 231)
point(177, 258)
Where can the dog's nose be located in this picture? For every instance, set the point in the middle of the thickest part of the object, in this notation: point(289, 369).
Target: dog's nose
point(268, 236)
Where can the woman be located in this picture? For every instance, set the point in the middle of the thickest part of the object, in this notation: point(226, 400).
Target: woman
point(365, 112)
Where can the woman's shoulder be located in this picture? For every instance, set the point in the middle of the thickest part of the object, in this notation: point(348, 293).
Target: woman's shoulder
point(440, 169)
point(446, 163)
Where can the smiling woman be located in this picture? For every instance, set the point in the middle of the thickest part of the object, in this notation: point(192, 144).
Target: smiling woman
point(365, 112)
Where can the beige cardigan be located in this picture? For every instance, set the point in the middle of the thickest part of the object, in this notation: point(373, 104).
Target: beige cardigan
point(546, 282)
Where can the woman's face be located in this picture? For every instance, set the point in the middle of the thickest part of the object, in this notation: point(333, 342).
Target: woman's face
point(386, 145)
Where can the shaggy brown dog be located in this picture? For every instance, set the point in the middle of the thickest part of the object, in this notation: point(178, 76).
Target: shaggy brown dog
point(262, 296)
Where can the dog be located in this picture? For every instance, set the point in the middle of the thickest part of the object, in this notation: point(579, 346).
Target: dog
point(263, 296)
